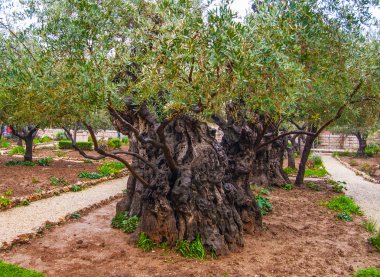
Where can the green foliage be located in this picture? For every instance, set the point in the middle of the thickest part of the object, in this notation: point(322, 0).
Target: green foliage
point(317, 172)
point(343, 154)
point(114, 143)
point(194, 249)
point(375, 241)
point(24, 163)
point(4, 144)
point(75, 216)
point(343, 204)
point(44, 161)
point(127, 224)
point(18, 150)
point(264, 191)
point(367, 272)
point(67, 144)
point(25, 203)
point(287, 186)
point(368, 168)
point(125, 140)
point(8, 270)
point(76, 188)
point(264, 204)
point(344, 217)
point(290, 171)
point(87, 161)
point(4, 201)
point(313, 186)
point(61, 136)
point(337, 186)
point(90, 175)
point(316, 159)
point(145, 243)
point(44, 139)
point(56, 181)
point(370, 226)
point(371, 150)
point(109, 168)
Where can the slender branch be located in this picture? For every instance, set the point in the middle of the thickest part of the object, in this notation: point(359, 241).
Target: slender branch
point(283, 135)
point(16, 133)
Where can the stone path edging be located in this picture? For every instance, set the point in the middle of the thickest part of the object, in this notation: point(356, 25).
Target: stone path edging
point(358, 172)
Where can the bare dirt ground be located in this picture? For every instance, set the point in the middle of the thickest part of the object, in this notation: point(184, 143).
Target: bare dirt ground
point(370, 166)
point(24, 180)
point(300, 238)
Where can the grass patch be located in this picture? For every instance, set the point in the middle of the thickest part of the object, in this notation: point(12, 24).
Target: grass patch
point(90, 175)
point(367, 272)
point(316, 172)
point(56, 181)
point(145, 243)
point(194, 249)
point(290, 171)
point(287, 187)
point(370, 226)
point(375, 241)
point(109, 168)
point(313, 186)
point(343, 204)
point(18, 150)
point(337, 186)
point(127, 224)
point(22, 163)
point(8, 270)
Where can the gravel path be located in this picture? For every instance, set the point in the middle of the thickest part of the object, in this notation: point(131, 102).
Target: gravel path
point(365, 193)
point(29, 219)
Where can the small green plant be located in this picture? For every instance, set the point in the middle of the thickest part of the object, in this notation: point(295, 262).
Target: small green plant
point(316, 159)
point(290, 171)
point(18, 150)
point(368, 272)
point(316, 172)
point(76, 188)
point(145, 243)
point(22, 163)
point(9, 192)
point(75, 216)
point(287, 187)
point(125, 140)
point(35, 180)
point(127, 224)
point(370, 226)
point(114, 143)
point(264, 191)
point(313, 186)
point(5, 144)
point(375, 241)
point(60, 154)
point(5, 201)
point(264, 204)
point(56, 181)
point(343, 204)
point(45, 161)
point(87, 161)
point(194, 249)
point(90, 175)
point(61, 136)
point(344, 217)
point(337, 186)
point(109, 168)
point(8, 270)
point(67, 144)
point(25, 203)
point(353, 163)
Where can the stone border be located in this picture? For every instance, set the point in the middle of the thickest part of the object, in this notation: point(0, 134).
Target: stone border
point(25, 238)
point(18, 201)
point(358, 172)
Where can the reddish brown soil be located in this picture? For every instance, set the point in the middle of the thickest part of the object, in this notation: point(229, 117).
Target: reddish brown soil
point(25, 180)
point(300, 238)
point(363, 163)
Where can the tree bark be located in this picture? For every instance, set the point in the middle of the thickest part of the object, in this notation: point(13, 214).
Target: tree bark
point(304, 157)
point(197, 198)
point(362, 139)
point(28, 148)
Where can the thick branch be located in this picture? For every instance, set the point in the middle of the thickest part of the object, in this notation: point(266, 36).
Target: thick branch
point(283, 135)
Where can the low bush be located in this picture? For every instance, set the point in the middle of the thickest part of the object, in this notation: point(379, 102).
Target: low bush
point(125, 140)
point(343, 204)
point(67, 144)
point(145, 243)
point(194, 249)
point(18, 150)
point(114, 143)
point(375, 241)
point(61, 136)
point(368, 272)
point(127, 224)
point(5, 201)
point(264, 204)
point(316, 159)
point(90, 175)
point(4, 144)
point(44, 161)
point(109, 168)
point(42, 139)
point(316, 172)
point(287, 187)
point(371, 150)
point(8, 270)
point(313, 186)
point(290, 171)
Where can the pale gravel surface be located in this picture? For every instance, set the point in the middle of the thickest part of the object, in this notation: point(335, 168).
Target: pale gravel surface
point(365, 193)
point(28, 219)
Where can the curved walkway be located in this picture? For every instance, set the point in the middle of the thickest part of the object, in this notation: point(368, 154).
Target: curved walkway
point(28, 219)
point(365, 193)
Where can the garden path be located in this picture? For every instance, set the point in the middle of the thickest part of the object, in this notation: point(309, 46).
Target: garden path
point(365, 193)
point(28, 219)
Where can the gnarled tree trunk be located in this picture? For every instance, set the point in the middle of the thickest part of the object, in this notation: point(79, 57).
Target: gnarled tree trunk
point(195, 199)
point(362, 140)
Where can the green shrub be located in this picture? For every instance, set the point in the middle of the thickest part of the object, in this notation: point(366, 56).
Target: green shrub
point(194, 249)
point(375, 241)
point(42, 140)
point(25, 163)
point(18, 150)
point(343, 204)
point(337, 186)
point(264, 204)
point(343, 154)
point(313, 186)
point(76, 188)
point(8, 270)
point(368, 272)
point(67, 144)
point(90, 175)
point(290, 171)
point(371, 150)
point(109, 168)
point(125, 140)
point(316, 159)
point(287, 187)
point(45, 161)
point(4, 201)
point(145, 243)
point(61, 136)
point(4, 144)
point(114, 143)
point(127, 224)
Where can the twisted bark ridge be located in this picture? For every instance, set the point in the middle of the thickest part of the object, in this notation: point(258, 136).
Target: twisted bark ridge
point(194, 193)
